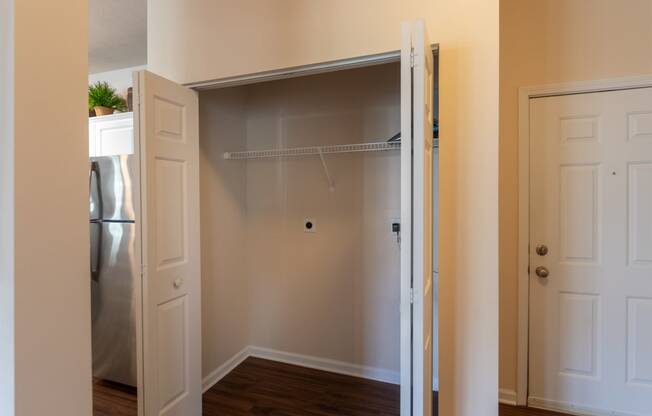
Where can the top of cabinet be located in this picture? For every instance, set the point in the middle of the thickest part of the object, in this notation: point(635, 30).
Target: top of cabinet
point(115, 116)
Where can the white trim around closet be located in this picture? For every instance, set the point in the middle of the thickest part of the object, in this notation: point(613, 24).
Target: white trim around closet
point(301, 70)
point(325, 364)
point(220, 372)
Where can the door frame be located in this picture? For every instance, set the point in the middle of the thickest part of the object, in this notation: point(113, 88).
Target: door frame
point(525, 94)
point(320, 68)
point(302, 70)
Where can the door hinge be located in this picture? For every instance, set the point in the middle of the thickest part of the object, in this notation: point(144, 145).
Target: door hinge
point(412, 58)
point(412, 295)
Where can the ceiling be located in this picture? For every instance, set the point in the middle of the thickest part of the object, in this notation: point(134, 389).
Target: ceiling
point(117, 34)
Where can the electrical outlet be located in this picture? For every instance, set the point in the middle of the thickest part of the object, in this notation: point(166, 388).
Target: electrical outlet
point(309, 225)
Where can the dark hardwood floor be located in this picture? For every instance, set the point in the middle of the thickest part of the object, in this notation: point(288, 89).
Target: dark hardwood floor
point(267, 388)
point(262, 387)
point(113, 399)
point(524, 411)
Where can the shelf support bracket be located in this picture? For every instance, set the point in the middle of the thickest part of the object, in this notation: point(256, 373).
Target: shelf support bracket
point(331, 185)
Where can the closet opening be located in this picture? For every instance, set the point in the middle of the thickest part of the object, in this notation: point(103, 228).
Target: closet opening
point(300, 203)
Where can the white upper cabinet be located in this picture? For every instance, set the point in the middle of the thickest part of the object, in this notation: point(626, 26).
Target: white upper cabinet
point(111, 135)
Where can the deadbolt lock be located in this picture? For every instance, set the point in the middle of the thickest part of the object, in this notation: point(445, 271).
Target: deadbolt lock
point(542, 249)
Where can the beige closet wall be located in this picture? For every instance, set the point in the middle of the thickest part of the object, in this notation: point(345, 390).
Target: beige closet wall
point(333, 293)
point(547, 42)
point(198, 40)
point(225, 298)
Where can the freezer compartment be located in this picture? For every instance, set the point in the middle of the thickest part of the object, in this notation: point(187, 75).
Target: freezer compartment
point(112, 184)
point(114, 303)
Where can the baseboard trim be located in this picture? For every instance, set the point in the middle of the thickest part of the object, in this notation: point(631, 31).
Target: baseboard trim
point(507, 396)
point(219, 373)
point(572, 409)
point(325, 364)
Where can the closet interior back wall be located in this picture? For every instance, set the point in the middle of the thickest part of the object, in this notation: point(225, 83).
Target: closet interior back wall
point(332, 293)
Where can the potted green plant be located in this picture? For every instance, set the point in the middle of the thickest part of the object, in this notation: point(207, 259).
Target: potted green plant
point(103, 99)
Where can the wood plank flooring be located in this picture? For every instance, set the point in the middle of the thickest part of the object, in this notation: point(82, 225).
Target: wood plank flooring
point(113, 399)
point(267, 388)
point(524, 411)
point(262, 387)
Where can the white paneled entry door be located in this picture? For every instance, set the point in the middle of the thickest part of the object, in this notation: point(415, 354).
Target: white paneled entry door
point(166, 123)
point(591, 252)
point(417, 69)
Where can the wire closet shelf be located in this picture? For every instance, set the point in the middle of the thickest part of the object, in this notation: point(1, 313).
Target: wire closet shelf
point(313, 150)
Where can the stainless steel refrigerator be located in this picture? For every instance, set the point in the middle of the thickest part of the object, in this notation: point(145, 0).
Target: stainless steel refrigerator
point(113, 269)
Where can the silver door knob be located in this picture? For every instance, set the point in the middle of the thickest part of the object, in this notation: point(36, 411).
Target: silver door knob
point(542, 272)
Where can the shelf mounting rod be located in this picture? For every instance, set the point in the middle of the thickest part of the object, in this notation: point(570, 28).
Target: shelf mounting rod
point(331, 185)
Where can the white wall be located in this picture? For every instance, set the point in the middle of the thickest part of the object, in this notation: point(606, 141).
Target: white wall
point(6, 209)
point(198, 40)
point(120, 79)
point(50, 198)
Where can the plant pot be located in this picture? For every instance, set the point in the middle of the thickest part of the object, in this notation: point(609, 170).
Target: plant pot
point(103, 111)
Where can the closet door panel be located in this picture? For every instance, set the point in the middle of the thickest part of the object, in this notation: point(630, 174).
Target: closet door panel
point(169, 147)
point(417, 69)
point(406, 221)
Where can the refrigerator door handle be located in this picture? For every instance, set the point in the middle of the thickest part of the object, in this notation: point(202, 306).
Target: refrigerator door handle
point(96, 257)
point(95, 171)
point(97, 244)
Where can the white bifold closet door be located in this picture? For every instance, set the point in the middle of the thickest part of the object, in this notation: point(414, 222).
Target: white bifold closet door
point(166, 122)
point(417, 69)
